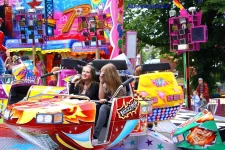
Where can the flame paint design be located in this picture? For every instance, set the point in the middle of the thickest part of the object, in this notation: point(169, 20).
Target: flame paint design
point(80, 113)
point(73, 111)
point(201, 137)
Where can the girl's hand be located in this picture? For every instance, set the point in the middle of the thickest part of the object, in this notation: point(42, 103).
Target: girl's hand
point(101, 77)
point(76, 77)
point(102, 101)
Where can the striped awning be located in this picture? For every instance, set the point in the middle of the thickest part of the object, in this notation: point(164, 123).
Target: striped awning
point(15, 45)
point(58, 46)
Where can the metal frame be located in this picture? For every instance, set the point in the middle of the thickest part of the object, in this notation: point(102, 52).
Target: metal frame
point(66, 95)
point(26, 81)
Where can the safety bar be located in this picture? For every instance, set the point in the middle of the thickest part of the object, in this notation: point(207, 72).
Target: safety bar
point(67, 95)
point(49, 74)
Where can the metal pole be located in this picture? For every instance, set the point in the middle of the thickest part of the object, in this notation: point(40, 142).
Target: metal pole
point(97, 53)
point(33, 52)
point(186, 80)
point(33, 49)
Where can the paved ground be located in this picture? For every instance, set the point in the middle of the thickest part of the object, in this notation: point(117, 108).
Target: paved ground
point(184, 115)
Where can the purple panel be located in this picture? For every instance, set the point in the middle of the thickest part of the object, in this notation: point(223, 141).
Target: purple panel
point(155, 100)
point(63, 74)
point(170, 98)
point(198, 34)
point(176, 97)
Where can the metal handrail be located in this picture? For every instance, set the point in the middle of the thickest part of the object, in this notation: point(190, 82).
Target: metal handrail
point(23, 80)
point(7, 77)
point(67, 95)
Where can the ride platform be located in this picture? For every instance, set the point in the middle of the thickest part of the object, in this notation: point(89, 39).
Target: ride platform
point(10, 141)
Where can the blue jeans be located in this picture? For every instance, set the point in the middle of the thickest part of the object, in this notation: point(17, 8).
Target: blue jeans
point(197, 109)
point(8, 72)
point(102, 113)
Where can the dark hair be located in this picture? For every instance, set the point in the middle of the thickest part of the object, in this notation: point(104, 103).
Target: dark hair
point(80, 83)
point(138, 70)
point(56, 56)
point(38, 57)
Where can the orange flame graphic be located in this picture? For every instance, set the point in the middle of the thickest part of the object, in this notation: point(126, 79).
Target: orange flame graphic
point(201, 137)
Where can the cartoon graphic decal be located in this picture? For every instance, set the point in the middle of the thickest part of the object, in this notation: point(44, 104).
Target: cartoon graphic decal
point(159, 82)
point(83, 139)
point(128, 108)
point(201, 137)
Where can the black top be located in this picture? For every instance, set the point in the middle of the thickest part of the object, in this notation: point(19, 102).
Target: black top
point(92, 93)
point(136, 85)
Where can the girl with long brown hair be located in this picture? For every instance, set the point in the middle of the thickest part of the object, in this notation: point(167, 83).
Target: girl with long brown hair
point(85, 84)
point(109, 82)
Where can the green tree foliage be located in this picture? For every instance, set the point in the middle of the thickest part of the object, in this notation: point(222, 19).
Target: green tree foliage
point(152, 28)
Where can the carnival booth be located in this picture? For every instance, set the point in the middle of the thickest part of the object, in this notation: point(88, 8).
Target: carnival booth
point(15, 46)
point(82, 30)
point(55, 50)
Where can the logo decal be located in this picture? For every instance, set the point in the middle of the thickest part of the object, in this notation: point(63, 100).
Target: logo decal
point(127, 109)
point(159, 82)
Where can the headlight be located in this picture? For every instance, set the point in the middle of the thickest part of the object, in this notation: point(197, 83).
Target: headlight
point(175, 139)
point(144, 109)
point(6, 114)
point(58, 118)
point(49, 118)
point(40, 118)
point(178, 138)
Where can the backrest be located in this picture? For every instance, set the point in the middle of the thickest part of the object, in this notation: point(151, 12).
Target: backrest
point(155, 67)
point(119, 64)
point(18, 92)
point(70, 63)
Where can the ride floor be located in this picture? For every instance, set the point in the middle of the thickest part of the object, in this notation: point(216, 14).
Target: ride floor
point(10, 141)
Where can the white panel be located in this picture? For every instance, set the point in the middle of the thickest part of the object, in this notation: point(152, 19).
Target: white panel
point(131, 44)
point(183, 47)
